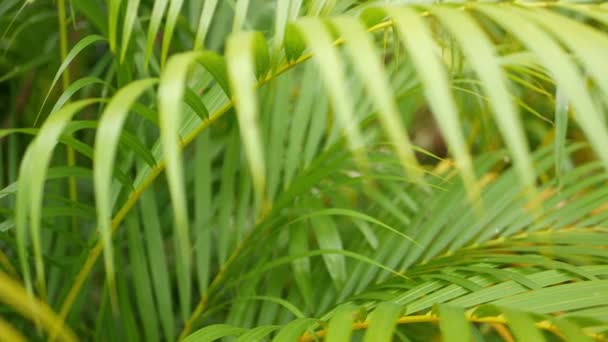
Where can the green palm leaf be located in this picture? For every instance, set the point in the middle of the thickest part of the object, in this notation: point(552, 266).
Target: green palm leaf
point(341, 170)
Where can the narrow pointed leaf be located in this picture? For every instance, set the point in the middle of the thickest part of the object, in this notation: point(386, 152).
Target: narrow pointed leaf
point(453, 324)
point(241, 73)
point(204, 23)
point(480, 52)
point(106, 142)
point(340, 325)
point(127, 29)
point(332, 74)
point(564, 71)
point(170, 98)
point(371, 70)
point(522, 326)
point(419, 43)
point(81, 45)
point(158, 12)
point(113, 12)
point(382, 322)
point(175, 7)
point(293, 330)
point(214, 332)
point(240, 14)
point(32, 176)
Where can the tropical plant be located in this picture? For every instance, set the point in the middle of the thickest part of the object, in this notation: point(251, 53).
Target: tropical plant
point(303, 170)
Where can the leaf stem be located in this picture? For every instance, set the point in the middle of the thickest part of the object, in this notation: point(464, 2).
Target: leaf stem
point(428, 318)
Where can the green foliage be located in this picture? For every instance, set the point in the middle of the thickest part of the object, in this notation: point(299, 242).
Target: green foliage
point(280, 170)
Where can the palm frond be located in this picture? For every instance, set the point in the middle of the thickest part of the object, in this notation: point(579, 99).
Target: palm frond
point(360, 170)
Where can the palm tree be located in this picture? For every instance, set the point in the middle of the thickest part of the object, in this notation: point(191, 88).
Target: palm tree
point(303, 170)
